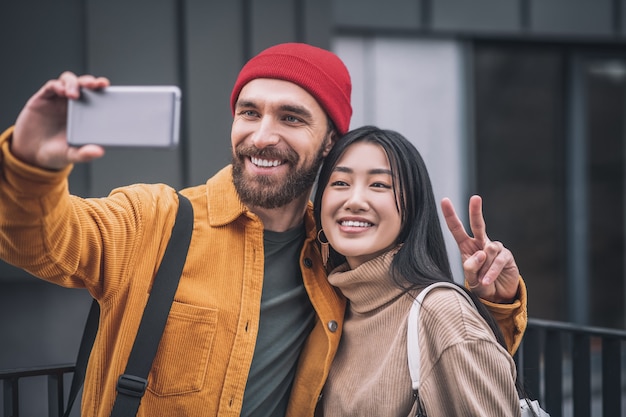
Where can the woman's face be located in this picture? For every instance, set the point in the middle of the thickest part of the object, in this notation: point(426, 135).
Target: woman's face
point(359, 213)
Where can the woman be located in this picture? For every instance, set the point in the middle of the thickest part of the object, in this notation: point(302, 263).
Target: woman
point(375, 207)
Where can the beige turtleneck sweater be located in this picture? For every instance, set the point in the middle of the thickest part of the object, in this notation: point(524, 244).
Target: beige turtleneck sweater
point(464, 371)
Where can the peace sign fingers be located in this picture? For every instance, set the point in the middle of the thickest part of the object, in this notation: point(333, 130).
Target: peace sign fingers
point(454, 223)
point(477, 221)
point(490, 268)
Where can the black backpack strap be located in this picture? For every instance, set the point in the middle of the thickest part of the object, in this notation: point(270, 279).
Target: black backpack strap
point(89, 336)
point(132, 384)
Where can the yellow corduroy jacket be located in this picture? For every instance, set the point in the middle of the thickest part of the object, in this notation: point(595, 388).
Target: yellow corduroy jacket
point(113, 246)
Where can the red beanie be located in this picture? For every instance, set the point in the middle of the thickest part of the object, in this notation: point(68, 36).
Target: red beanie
point(317, 70)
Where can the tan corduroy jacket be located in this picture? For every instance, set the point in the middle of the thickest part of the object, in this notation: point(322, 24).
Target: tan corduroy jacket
point(112, 246)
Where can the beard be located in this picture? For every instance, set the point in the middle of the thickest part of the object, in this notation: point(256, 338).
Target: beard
point(271, 192)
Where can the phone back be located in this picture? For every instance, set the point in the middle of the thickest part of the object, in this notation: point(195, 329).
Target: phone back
point(136, 116)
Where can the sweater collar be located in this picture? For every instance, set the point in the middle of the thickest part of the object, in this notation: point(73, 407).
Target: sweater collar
point(370, 285)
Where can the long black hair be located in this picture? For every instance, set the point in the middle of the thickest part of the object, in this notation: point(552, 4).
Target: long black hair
point(422, 258)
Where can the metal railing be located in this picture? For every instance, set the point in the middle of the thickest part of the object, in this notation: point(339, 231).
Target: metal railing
point(572, 370)
point(575, 371)
point(56, 392)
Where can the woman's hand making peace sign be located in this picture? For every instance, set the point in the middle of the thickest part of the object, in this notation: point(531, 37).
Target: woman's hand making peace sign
point(490, 269)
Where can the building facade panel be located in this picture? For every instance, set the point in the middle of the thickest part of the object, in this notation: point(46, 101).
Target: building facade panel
point(580, 18)
point(213, 36)
point(271, 22)
point(476, 16)
point(131, 54)
point(621, 19)
point(376, 14)
point(36, 51)
point(316, 26)
point(415, 87)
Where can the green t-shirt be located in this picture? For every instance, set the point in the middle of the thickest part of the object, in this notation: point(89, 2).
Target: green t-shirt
point(287, 318)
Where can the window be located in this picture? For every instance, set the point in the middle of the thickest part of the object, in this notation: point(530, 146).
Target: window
point(549, 144)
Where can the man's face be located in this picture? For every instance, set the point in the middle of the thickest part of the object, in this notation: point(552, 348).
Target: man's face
point(279, 138)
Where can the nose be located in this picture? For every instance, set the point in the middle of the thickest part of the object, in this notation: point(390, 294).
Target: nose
point(357, 200)
point(265, 134)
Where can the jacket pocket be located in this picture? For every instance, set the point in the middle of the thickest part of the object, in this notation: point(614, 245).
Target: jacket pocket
point(181, 361)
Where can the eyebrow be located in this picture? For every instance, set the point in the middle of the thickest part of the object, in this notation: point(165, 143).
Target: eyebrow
point(348, 170)
point(245, 103)
point(299, 110)
point(291, 108)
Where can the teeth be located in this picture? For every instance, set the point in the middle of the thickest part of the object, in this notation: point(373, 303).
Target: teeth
point(351, 223)
point(265, 162)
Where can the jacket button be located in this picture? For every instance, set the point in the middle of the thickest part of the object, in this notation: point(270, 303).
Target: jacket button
point(332, 326)
point(308, 262)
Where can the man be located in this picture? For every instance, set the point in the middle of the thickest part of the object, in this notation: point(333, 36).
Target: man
point(255, 324)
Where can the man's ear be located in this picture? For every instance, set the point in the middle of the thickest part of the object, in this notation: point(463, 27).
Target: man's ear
point(330, 140)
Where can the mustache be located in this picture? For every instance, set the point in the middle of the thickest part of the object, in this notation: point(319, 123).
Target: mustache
point(288, 155)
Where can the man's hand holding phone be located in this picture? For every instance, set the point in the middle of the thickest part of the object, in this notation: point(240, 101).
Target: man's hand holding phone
point(40, 137)
point(73, 118)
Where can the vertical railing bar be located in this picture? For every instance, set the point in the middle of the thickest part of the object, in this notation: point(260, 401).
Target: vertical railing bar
point(531, 362)
point(5, 401)
point(15, 382)
point(611, 377)
point(11, 389)
point(7, 395)
point(55, 394)
point(554, 373)
point(581, 374)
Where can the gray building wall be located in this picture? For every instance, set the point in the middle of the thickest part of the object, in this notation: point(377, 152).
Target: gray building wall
point(584, 20)
point(416, 87)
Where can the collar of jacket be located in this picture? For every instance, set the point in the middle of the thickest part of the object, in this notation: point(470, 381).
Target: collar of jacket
point(224, 203)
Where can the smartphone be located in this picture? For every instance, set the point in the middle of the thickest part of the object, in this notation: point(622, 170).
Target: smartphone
point(125, 116)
